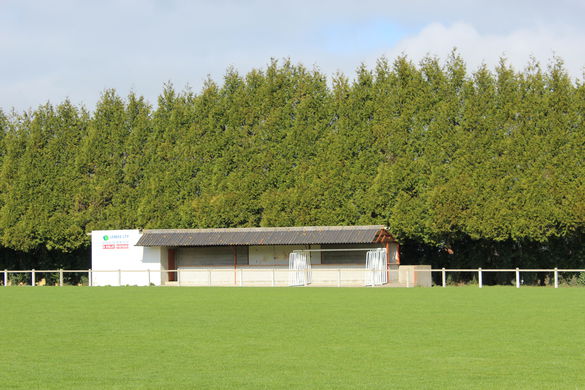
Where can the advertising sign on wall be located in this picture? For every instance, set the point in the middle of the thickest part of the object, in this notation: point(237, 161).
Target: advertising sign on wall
point(116, 241)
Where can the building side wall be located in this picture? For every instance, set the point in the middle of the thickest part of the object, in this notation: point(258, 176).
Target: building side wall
point(394, 254)
point(164, 263)
point(113, 250)
point(415, 276)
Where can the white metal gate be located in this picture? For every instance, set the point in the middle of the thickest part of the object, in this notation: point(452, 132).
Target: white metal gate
point(376, 268)
point(299, 268)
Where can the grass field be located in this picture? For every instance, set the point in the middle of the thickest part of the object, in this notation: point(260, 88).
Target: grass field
point(293, 338)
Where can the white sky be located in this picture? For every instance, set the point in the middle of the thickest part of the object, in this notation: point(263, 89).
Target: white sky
point(52, 50)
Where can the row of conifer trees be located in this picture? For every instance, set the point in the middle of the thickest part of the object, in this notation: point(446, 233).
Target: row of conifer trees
point(466, 168)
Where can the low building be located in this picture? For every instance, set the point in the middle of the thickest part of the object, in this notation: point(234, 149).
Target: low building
point(335, 255)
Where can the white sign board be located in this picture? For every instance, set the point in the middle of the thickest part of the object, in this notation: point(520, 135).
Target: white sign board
point(115, 258)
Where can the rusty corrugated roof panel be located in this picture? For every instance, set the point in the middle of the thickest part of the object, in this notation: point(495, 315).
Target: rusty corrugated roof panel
point(262, 236)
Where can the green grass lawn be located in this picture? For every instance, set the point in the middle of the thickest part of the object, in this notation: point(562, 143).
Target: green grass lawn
point(291, 338)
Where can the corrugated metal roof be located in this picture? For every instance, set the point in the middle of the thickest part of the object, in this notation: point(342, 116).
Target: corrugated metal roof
point(263, 236)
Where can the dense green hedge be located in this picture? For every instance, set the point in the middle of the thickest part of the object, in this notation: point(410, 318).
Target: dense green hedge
point(486, 164)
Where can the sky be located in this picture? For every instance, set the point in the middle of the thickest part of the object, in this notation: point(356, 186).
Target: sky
point(65, 49)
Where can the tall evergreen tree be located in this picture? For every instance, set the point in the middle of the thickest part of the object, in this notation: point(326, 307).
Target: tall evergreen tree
point(466, 168)
point(100, 162)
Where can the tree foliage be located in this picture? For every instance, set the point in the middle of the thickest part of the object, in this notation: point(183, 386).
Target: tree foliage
point(488, 162)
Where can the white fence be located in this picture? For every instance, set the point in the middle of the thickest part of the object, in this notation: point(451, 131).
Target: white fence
point(517, 273)
point(272, 276)
point(196, 276)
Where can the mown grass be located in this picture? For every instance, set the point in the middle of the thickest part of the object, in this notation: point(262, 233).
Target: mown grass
point(293, 338)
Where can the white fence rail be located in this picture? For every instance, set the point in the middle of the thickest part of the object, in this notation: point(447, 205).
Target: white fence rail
point(227, 276)
point(517, 273)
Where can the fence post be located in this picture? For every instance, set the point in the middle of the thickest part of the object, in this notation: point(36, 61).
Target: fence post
point(61, 277)
point(407, 279)
point(178, 277)
point(517, 277)
point(148, 272)
point(5, 278)
point(479, 278)
point(119, 277)
point(338, 277)
point(89, 278)
point(273, 277)
point(556, 277)
point(443, 277)
point(32, 274)
point(241, 277)
point(209, 276)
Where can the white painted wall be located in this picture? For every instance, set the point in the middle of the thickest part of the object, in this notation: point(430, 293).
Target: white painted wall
point(164, 263)
point(115, 250)
point(203, 276)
